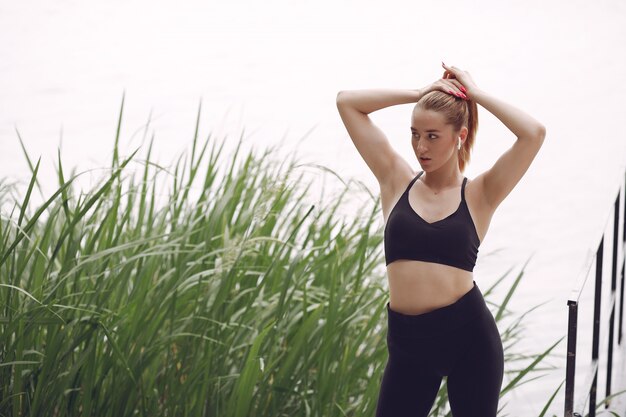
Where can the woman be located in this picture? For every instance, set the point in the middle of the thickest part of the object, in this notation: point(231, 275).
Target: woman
point(435, 220)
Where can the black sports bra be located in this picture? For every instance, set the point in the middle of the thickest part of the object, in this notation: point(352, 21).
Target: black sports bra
point(451, 241)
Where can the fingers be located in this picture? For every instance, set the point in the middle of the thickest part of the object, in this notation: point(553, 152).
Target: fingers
point(459, 85)
point(455, 88)
point(450, 70)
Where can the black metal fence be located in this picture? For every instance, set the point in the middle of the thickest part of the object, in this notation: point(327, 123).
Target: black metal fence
point(575, 404)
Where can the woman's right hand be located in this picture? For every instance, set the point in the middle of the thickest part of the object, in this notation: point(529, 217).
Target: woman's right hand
point(448, 84)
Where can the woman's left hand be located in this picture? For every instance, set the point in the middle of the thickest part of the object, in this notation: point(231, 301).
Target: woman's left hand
point(460, 79)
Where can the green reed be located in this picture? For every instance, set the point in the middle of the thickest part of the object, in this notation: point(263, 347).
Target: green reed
point(233, 298)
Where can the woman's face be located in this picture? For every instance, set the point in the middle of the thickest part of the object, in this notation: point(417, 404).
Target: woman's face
point(432, 138)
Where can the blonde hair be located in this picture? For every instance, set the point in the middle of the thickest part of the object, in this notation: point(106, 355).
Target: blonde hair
point(457, 112)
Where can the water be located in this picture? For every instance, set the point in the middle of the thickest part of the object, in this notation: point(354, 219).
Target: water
point(274, 69)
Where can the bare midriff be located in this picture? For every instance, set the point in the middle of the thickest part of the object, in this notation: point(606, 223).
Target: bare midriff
point(417, 287)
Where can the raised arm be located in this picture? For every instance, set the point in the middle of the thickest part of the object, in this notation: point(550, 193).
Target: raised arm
point(374, 147)
point(498, 181)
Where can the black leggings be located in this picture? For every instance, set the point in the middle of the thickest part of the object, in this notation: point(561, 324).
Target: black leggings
point(460, 341)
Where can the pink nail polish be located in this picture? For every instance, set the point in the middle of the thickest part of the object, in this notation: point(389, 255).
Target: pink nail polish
point(463, 89)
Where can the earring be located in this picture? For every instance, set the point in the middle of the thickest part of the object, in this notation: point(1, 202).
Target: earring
point(459, 147)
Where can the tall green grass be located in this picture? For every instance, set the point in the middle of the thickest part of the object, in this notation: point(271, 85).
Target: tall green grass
point(233, 298)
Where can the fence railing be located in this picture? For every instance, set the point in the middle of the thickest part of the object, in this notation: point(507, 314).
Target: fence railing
point(575, 404)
